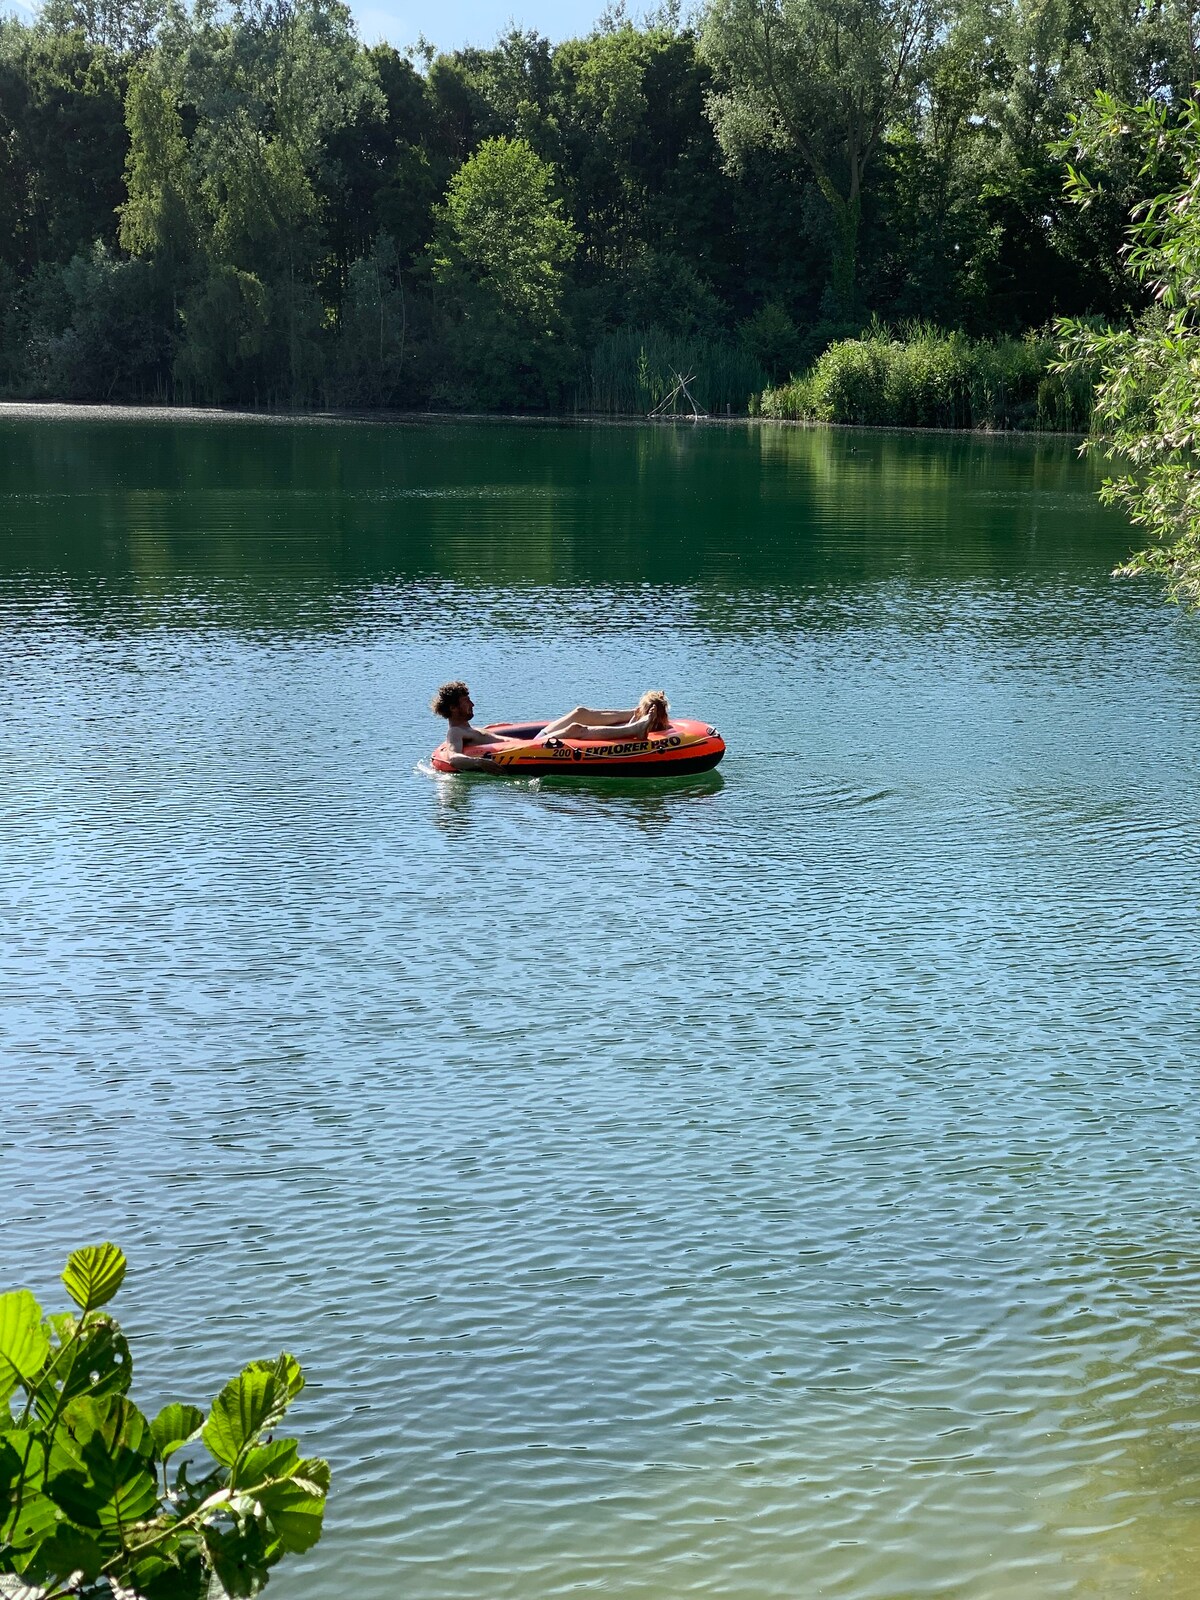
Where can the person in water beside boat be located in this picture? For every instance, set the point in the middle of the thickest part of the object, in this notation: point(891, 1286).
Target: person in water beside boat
point(453, 701)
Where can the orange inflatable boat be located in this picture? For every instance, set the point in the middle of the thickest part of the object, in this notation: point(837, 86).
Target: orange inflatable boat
point(683, 746)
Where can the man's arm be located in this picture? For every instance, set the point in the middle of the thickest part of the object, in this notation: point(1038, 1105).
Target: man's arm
point(460, 761)
point(464, 763)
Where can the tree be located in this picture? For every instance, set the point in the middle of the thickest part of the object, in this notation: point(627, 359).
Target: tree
point(375, 174)
point(823, 79)
point(1044, 61)
point(603, 114)
point(226, 323)
point(157, 218)
point(88, 1505)
point(267, 83)
point(371, 356)
point(500, 249)
point(932, 231)
point(126, 26)
point(62, 144)
point(501, 231)
point(1147, 400)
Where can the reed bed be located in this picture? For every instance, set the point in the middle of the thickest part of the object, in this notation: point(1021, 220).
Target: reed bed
point(633, 370)
point(922, 377)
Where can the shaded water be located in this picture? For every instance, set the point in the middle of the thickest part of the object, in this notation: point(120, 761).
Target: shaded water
point(779, 1183)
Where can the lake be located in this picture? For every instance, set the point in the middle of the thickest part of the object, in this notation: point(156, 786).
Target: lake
point(776, 1183)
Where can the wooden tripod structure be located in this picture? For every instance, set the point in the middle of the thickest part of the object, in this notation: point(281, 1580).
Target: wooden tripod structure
point(681, 387)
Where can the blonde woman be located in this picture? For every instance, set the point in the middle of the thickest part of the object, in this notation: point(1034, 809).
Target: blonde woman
point(651, 715)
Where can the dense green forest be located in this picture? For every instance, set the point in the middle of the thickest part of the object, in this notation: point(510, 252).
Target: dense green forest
point(244, 204)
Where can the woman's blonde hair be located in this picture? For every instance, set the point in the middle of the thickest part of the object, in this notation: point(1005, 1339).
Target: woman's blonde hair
point(654, 703)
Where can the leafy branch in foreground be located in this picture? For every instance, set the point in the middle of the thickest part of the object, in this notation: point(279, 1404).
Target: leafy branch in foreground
point(1147, 400)
point(90, 1505)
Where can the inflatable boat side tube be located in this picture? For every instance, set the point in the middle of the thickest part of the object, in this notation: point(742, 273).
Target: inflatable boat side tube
point(683, 746)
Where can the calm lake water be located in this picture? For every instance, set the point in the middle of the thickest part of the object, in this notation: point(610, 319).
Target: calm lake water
point(781, 1183)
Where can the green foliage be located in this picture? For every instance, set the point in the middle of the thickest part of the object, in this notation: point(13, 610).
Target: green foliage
point(502, 234)
point(240, 204)
point(267, 73)
point(24, 1343)
point(120, 25)
point(823, 79)
point(92, 1360)
point(772, 338)
point(924, 378)
point(269, 86)
point(225, 320)
point(157, 218)
point(375, 355)
point(174, 1426)
point(87, 330)
point(87, 1505)
point(500, 248)
point(663, 290)
point(93, 1275)
point(62, 144)
point(1147, 398)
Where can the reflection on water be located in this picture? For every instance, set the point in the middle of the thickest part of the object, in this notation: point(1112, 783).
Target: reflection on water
point(300, 514)
point(646, 805)
point(777, 1182)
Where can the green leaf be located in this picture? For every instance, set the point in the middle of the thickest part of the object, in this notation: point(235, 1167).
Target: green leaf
point(286, 1370)
point(93, 1275)
point(100, 1464)
point(179, 1576)
point(174, 1426)
point(32, 1522)
point(244, 1407)
point(26, 1516)
point(279, 1459)
point(295, 1505)
point(24, 1344)
point(15, 1446)
point(239, 1558)
point(66, 1551)
point(188, 1495)
point(98, 1363)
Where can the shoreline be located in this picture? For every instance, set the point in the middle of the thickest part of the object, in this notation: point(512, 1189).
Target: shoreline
point(74, 410)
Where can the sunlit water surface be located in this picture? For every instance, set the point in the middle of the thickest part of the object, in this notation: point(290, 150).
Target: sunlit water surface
point(779, 1183)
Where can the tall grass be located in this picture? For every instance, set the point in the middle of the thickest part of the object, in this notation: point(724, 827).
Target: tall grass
point(922, 377)
point(633, 370)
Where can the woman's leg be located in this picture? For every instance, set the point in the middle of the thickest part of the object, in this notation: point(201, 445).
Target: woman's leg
point(585, 714)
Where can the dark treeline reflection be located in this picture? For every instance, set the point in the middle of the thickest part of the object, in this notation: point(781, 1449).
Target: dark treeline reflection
point(244, 205)
point(334, 525)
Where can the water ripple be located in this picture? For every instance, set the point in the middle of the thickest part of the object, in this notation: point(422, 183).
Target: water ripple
point(772, 1184)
